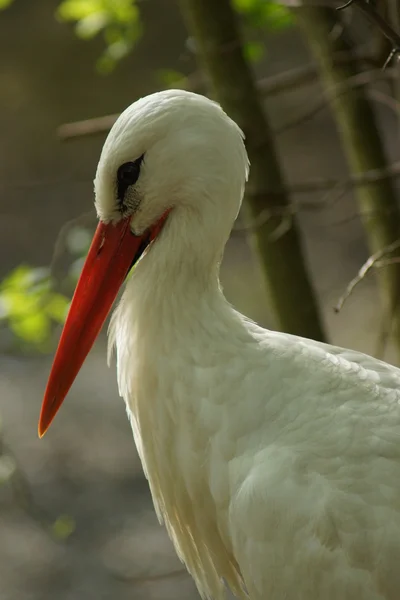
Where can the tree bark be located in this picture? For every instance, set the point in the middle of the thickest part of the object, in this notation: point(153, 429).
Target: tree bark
point(363, 147)
point(214, 27)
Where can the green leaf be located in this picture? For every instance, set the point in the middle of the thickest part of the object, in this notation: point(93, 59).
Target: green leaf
point(32, 328)
point(75, 10)
point(264, 13)
point(18, 303)
point(63, 527)
point(30, 307)
point(17, 279)
point(90, 26)
point(105, 64)
point(57, 307)
point(253, 51)
point(118, 20)
point(245, 6)
point(277, 16)
point(5, 4)
point(169, 77)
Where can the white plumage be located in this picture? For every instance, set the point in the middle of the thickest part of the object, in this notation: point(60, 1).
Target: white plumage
point(274, 461)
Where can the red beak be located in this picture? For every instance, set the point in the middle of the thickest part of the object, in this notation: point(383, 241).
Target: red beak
point(114, 250)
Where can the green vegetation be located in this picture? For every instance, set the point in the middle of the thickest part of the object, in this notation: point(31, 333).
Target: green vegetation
point(30, 302)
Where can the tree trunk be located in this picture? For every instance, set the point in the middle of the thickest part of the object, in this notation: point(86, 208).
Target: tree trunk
point(363, 146)
point(219, 50)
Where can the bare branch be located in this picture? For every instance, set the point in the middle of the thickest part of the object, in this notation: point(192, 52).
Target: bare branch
point(389, 261)
point(335, 191)
point(361, 79)
point(308, 74)
point(269, 86)
point(369, 11)
point(87, 127)
point(275, 85)
point(365, 269)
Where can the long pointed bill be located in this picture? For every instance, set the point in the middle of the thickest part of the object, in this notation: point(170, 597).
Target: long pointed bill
point(113, 251)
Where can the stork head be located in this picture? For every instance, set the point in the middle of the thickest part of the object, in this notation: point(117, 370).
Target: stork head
point(170, 154)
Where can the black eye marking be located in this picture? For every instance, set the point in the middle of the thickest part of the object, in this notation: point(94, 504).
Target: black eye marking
point(127, 175)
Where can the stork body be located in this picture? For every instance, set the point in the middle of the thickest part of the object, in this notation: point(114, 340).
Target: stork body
point(274, 461)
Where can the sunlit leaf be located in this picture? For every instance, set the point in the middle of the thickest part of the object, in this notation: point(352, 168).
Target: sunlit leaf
point(118, 20)
point(169, 77)
point(277, 16)
point(30, 307)
point(112, 35)
point(253, 51)
point(18, 278)
point(246, 5)
point(91, 25)
point(38, 275)
point(5, 4)
point(19, 302)
point(105, 64)
point(3, 308)
point(64, 526)
point(118, 50)
point(57, 307)
point(75, 10)
point(264, 13)
point(31, 328)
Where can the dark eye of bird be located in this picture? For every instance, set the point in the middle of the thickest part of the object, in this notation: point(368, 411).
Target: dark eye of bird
point(127, 175)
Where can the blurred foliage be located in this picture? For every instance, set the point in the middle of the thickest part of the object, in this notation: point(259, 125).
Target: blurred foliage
point(170, 77)
point(5, 3)
point(120, 24)
point(118, 21)
point(264, 14)
point(63, 527)
point(29, 306)
point(253, 51)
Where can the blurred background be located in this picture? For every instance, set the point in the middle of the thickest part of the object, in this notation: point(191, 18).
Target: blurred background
point(321, 117)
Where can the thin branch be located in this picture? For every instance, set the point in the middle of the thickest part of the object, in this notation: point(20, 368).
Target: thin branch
point(307, 74)
point(389, 261)
point(269, 86)
point(369, 11)
point(365, 269)
point(359, 80)
point(87, 127)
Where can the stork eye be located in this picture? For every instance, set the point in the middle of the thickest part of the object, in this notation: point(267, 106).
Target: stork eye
point(127, 175)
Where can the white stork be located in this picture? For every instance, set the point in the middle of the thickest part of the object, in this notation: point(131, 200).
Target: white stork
point(274, 461)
